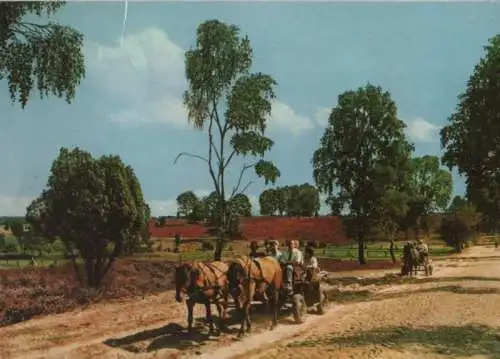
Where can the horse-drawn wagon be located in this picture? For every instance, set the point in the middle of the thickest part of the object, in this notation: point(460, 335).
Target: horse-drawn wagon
point(416, 259)
point(306, 292)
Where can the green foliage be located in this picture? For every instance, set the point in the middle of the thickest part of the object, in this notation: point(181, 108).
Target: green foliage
point(186, 203)
point(268, 202)
point(211, 207)
point(207, 245)
point(470, 140)
point(48, 57)
point(296, 200)
point(363, 159)
point(240, 205)
point(95, 205)
point(460, 225)
point(430, 189)
point(219, 77)
point(162, 220)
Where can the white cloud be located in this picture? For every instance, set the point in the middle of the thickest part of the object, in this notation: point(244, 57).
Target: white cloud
point(284, 118)
point(322, 115)
point(163, 208)
point(14, 205)
point(144, 74)
point(421, 130)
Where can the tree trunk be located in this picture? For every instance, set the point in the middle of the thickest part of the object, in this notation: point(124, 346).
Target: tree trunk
point(219, 245)
point(361, 249)
point(89, 270)
point(391, 251)
point(417, 228)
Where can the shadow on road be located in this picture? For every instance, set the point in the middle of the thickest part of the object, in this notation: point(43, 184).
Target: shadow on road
point(463, 341)
point(175, 336)
point(396, 279)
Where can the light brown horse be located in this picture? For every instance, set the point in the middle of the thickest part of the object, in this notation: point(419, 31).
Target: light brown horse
point(204, 283)
point(247, 277)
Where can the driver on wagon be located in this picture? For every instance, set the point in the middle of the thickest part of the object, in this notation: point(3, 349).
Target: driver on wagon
point(290, 257)
point(422, 247)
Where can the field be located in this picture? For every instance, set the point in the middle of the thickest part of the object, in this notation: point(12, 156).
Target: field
point(192, 250)
point(450, 315)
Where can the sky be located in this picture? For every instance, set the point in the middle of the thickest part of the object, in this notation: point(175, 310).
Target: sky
point(130, 102)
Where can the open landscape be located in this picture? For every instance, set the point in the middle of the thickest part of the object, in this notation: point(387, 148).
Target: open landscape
point(249, 180)
point(453, 314)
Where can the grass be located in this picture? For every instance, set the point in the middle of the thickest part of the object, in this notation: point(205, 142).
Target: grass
point(464, 341)
point(375, 251)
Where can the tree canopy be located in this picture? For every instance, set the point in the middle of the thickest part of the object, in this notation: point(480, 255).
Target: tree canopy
point(186, 203)
point(431, 188)
point(363, 160)
point(471, 141)
point(460, 224)
point(241, 206)
point(296, 200)
point(232, 105)
point(48, 57)
point(94, 205)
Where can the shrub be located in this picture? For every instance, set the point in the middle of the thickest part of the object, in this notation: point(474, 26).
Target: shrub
point(207, 245)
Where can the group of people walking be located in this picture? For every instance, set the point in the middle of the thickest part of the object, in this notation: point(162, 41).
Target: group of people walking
point(290, 257)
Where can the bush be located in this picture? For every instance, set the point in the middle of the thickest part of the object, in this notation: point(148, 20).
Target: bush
point(207, 245)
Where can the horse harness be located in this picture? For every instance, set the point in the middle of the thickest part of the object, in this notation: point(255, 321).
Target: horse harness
point(195, 289)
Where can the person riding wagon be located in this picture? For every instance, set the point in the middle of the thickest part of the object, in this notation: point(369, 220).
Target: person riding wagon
point(292, 256)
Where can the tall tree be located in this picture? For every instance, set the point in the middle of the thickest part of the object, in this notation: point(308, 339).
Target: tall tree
point(431, 188)
point(460, 224)
point(471, 141)
point(303, 200)
point(283, 193)
point(241, 206)
point(233, 106)
point(186, 203)
point(268, 202)
point(93, 205)
point(48, 57)
point(363, 156)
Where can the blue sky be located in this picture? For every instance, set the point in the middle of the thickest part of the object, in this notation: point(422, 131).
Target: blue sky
point(130, 102)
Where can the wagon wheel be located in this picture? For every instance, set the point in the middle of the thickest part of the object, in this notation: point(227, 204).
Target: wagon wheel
point(298, 308)
point(323, 301)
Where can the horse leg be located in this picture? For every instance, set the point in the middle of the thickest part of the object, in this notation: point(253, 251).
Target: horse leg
point(248, 307)
point(221, 309)
point(190, 307)
point(210, 319)
point(275, 307)
point(242, 309)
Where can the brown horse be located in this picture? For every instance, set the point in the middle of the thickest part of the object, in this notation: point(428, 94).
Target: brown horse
point(248, 277)
point(204, 283)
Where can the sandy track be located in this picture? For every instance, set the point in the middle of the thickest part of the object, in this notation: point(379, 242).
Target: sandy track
point(388, 321)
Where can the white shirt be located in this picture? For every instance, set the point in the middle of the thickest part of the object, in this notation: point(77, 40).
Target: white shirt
point(312, 263)
point(295, 256)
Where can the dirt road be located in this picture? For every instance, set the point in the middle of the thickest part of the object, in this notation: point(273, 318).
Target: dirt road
point(454, 314)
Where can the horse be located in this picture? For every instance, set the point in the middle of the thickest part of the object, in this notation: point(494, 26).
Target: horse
point(411, 259)
point(204, 283)
point(248, 277)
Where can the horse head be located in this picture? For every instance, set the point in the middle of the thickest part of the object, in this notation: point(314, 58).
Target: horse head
point(184, 274)
point(236, 275)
